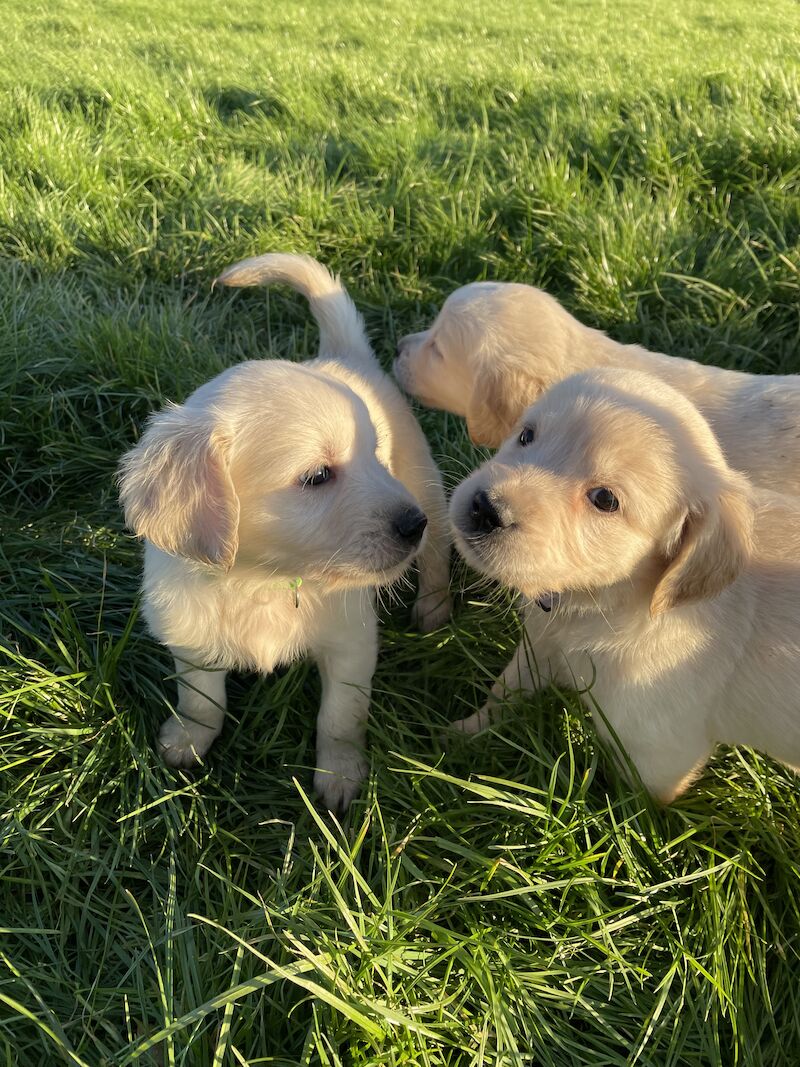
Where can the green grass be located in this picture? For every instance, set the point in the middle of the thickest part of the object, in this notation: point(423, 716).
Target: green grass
point(509, 901)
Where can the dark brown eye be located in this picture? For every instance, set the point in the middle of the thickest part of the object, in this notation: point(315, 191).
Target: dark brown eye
point(316, 477)
point(527, 436)
point(603, 499)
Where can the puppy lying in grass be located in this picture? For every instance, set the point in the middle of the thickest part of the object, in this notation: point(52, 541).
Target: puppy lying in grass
point(495, 347)
point(273, 503)
point(674, 584)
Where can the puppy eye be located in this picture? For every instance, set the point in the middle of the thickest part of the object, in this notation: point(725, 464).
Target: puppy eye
point(527, 436)
point(316, 477)
point(603, 499)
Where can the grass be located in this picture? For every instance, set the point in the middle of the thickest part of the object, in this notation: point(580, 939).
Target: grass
point(506, 902)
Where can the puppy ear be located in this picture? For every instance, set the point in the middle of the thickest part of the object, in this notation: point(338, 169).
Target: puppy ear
point(499, 396)
point(714, 544)
point(176, 488)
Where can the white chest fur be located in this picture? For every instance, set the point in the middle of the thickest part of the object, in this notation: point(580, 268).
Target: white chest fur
point(241, 622)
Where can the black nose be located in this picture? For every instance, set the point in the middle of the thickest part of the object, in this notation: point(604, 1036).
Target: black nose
point(483, 513)
point(409, 524)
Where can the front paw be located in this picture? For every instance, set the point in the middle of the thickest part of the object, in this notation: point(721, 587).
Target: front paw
point(183, 742)
point(340, 771)
point(431, 611)
point(473, 724)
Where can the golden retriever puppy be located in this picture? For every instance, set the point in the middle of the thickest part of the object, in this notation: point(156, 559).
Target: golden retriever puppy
point(495, 347)
point(657, 580)
point(273, 502)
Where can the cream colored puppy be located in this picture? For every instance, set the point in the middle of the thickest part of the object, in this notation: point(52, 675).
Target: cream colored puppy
point(273, 503)
point(674, 584)
point(495, 347)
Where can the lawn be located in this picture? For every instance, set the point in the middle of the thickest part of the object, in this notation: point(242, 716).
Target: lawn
point(508, 900)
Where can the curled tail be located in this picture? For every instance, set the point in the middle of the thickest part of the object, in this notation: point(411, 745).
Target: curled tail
point(341, 329)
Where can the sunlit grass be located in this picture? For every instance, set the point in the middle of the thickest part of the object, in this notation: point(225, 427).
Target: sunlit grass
point(507, 900)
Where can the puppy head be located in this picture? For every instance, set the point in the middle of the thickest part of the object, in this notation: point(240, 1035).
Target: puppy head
point(439, 365)
point(492, 350)
point(610, 477)
point(275, 467)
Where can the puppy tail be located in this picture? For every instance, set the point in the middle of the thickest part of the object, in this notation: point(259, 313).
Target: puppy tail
point(342, 334)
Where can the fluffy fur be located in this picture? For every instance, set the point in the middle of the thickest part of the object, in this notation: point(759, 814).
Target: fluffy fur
point(677, 615)
point(249, 565)
point(495, 347)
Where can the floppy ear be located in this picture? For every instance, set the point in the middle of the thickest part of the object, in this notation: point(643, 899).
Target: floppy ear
point(176, 488)
point(499, 396)
point(713, 546)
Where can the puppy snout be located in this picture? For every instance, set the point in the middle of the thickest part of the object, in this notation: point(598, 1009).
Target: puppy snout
point(483, 514)
point(409, 525)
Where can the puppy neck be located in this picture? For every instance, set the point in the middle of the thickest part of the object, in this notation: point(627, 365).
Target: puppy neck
point(252, 582)
point(625, 601)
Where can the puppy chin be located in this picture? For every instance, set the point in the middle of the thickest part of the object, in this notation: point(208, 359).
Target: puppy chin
point(470, 548)
point(373, 572)
point(391, 571)
point(426, 401)
point(402, 375)
point(477, 553)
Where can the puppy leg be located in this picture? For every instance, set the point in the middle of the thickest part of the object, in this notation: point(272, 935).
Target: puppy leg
point(420, 474)
point(666, 765)
point(433, 606)
point(186, 737)
point(530, 670)
point(668, 752)
point(346, 668)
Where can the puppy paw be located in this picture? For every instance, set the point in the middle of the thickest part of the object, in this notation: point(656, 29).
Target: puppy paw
point(337, 781)
point(473, 724)
point(431, 611)
point(182, 742)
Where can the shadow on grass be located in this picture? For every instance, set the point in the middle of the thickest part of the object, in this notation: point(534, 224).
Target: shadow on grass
point(234, 104)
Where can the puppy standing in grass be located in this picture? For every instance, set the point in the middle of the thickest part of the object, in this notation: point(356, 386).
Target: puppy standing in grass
point(678, 584)
point(496, 346)
point(273, 503)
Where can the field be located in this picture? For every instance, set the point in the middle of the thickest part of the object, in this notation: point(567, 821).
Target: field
point(506, 901)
